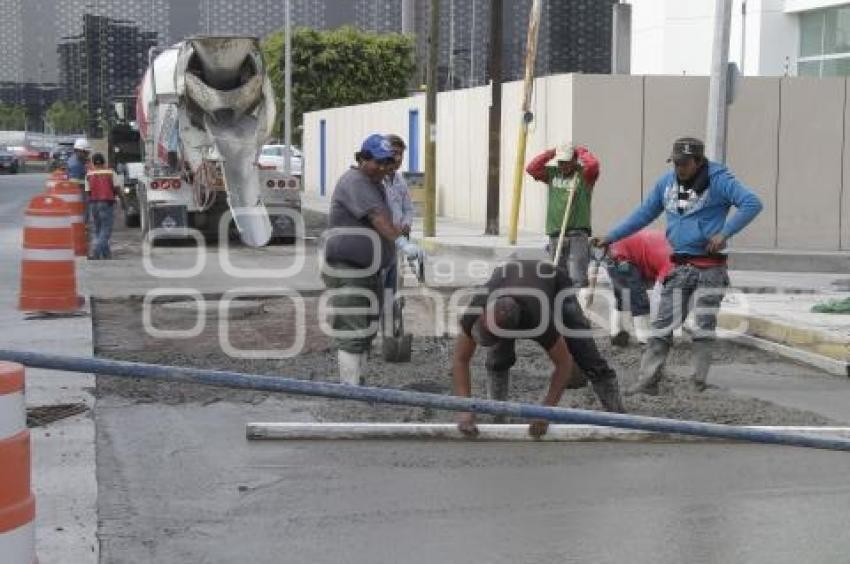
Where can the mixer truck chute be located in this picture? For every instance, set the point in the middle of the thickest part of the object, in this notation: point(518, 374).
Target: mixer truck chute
point(205, 108)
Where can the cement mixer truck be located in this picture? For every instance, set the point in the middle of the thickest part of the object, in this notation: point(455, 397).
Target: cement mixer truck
point(205, 108)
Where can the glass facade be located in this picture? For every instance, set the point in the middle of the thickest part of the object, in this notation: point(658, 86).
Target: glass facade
point(825, 42)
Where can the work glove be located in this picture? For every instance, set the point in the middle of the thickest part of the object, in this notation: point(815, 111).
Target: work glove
point(411, 251)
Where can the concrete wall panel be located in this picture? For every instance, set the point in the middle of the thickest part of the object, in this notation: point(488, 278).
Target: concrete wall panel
point(751, 153)
point(674, 106)
point(845, 192)
point(810, 158)
point(609, 121)
point(785, 141)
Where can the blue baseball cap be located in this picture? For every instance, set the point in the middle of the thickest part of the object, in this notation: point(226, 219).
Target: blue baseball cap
point(378, 146)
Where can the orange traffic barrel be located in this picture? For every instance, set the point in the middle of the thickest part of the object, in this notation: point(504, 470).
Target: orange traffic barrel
point(48, 275)
point(72, 195)
point(17, 504)
point(55, 177)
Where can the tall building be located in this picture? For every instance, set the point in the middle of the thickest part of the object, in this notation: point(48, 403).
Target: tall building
point(104, 62)
point(767, 37)
point(11, 40)
point(574, 36)
point(378, 16)
point(261, 17)
point(151, 15)
point(35, 97)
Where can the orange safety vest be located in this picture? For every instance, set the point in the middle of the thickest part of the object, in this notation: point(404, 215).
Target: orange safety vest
point(100, 186)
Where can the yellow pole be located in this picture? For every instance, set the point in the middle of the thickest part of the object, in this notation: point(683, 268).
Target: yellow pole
point(530, 56)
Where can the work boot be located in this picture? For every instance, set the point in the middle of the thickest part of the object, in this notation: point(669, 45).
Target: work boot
point(608, 392)
point(651, 366)
point(641, 325)
point(498, 384)
point(619, 330)
point(350, 367)
point(702, 362)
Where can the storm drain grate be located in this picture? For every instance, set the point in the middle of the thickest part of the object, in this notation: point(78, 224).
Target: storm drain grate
point(44, 414)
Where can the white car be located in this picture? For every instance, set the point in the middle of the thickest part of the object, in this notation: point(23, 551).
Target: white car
point(271, 157)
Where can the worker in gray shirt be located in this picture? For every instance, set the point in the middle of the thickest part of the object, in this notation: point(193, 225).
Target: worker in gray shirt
point(359, 244)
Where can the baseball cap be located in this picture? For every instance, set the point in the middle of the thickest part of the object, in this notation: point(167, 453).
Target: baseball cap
point(686, 147)
point(81, 145)
point(378, 146)
point(563, 153)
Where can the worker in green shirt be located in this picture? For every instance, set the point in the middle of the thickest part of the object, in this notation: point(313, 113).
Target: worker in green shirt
point(570, 172)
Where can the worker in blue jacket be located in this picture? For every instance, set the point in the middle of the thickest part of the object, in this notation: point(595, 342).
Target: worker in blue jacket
point(695, 197)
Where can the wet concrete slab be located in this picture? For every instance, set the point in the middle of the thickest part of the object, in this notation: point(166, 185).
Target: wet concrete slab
point(191, 489)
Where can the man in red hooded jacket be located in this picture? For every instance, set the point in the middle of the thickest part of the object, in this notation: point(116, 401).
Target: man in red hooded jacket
point(634, 265)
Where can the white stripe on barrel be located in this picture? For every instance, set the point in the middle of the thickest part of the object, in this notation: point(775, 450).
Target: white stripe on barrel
point(76, 219)
point(69, 197)
point(48, 254)
point(48, 222)
point(13, 414)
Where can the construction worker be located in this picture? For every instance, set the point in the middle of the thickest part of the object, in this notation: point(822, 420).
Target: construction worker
point(571, 173)
point(360, 243)
point(78, 163)
point(536, 300)
point(635, 264)
point(695, 197)
point(78, 166)
point(398, 198)
point(101, 189)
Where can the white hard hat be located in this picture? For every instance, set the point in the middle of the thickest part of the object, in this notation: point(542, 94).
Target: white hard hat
point(81, 145)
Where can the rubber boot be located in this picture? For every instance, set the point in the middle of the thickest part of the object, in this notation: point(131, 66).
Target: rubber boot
point(651, 366)
point(619, 331)
point(702, 362)
point(641, 324)
point(350, 367)
point(498, 384)
point(608, 392)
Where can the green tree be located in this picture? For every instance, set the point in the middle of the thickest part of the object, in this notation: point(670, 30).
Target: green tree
point(13, 117)
point(67, 117)
point(341, 67)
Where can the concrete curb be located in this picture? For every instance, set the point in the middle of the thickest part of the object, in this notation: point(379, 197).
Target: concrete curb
point(825, 363)
point(805, 339)
point(488, 432)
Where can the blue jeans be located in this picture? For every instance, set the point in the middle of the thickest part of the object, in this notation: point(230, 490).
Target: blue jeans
point(629, 287)
point(102, 213)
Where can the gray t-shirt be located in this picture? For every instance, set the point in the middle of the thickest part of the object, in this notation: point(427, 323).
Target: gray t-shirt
point(354, 198)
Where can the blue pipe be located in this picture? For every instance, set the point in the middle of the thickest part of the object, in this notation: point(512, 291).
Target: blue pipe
point(419, 399)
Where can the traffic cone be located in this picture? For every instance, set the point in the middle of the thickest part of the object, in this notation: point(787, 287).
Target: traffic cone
point(48, 276)
point(17, 504)
point(71, 194)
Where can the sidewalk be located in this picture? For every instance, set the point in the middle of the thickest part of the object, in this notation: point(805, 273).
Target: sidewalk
point(63, 452)
point(774, 306)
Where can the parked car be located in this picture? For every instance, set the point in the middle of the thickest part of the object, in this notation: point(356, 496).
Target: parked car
point(9, 161)
point(272, 157)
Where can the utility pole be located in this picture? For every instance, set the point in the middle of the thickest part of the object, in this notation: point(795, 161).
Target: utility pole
point(526, 117)
point(430, 223)
point(715, 129)
point(495, 136)
point(287, 91)
point(621, 41)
